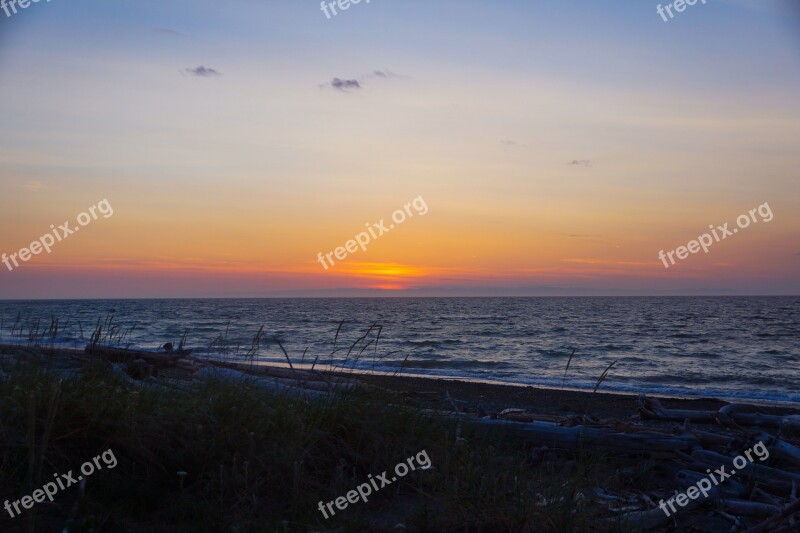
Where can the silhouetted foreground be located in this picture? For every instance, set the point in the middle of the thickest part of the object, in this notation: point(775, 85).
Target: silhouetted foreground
point(222, 446)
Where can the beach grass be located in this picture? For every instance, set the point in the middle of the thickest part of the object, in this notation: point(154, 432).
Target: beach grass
point(255, 460)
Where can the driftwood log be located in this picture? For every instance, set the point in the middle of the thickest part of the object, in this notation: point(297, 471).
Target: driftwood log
point(578, 437)
point(775, 523)
point(765, 474)
point(731, 415)
point(731, 488)
point(780, 448)
point(651, 409)
point(124, 355)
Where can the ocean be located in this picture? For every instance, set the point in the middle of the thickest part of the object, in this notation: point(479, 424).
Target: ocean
point(729, 347)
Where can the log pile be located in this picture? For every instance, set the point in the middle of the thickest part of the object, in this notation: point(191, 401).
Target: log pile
point(759, 496)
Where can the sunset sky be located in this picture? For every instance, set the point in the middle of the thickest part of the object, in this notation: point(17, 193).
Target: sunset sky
point(558, 146)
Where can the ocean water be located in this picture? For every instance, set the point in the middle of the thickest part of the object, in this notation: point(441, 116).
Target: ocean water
point(731, 347)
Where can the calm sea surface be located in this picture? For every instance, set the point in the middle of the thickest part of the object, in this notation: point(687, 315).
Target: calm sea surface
point(744, 347)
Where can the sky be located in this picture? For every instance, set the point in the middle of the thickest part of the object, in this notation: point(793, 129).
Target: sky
point(558, 147)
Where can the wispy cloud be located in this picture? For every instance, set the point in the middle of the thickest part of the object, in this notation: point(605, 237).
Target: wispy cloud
point(581, 162)
point(202, 71)
point(169, 32)
point(386, 73)
point(344, 85)
point(591, 261)
point(34, 186)
point(511, 144)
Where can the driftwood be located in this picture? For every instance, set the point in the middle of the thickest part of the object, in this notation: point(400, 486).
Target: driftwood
point(656, 518)
point(747, 508)
point(790, 427)
point(784, 449)
point(731, 487)
point(768, 476)
point(707, 438)
point(266, 370)
point(123, 355)
point(781, 449)
point(185, 364)
point(651, 408)
point(322, 386)
point(578, 437)
point(747, 415)
point(519, 415)
point(755, 490)
point(644, 520)
point(772, 524)
point(728, 415)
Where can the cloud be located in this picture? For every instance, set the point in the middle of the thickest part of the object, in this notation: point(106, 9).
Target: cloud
point(33, 186)
point(579, 235)
point(386, 73)
point(581, 162)
point(358, 83)
point(511, 144)
point(202, 72)
point(343, 85)
point(168, 31)
point(592, 261)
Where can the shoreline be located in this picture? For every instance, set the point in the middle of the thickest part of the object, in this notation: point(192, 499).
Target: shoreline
point(461, 382)
point(700, 395)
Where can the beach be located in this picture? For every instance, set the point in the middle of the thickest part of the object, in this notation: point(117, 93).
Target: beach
point(580, 460)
